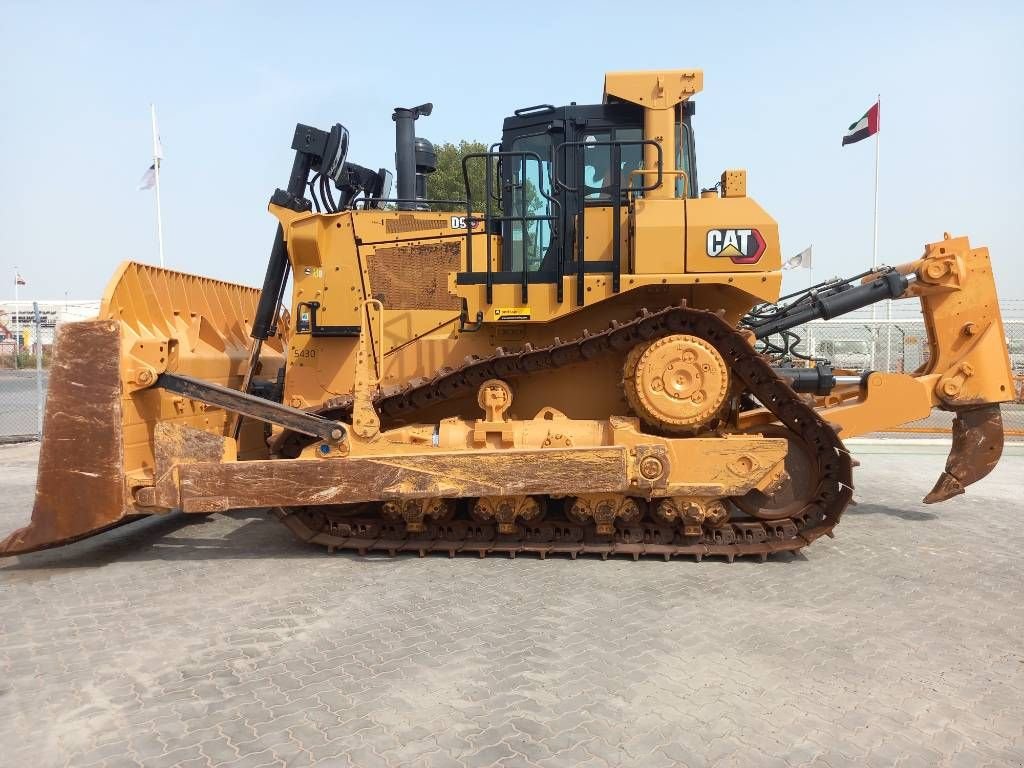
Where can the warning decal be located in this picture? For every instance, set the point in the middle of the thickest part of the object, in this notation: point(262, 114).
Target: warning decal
point(511, 313)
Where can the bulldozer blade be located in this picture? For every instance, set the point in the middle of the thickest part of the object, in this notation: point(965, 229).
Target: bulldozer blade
point(97, 457)
point(977, 446)
point(80, 489)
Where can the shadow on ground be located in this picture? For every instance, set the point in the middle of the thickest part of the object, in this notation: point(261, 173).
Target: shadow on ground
point(175, 536)
point(911, 515)
point(256, 534)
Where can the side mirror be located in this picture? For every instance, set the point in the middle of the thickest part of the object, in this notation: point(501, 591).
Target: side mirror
point(383, 192)
point(335, 153)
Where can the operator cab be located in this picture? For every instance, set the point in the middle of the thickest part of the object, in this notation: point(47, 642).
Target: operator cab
point(553, 165)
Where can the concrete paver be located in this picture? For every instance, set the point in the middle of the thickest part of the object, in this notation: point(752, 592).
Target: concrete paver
point(224, 642)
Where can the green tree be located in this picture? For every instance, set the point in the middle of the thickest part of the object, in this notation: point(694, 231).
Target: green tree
point(447, 182)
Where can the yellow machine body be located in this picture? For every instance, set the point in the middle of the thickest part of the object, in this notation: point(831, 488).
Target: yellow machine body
point(625, 392)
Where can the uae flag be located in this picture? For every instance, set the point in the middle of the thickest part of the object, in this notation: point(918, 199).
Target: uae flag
point(866, 126)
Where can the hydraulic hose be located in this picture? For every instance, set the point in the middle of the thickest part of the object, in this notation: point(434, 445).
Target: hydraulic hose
point(890, 285)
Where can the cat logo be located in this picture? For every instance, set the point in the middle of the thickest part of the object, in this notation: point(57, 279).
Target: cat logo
point(741, 246)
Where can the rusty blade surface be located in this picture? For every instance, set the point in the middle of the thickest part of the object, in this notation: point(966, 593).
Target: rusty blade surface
point(977, 446)
point(80, 485)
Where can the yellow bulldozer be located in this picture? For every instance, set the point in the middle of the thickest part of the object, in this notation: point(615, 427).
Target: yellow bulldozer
point(592, 358)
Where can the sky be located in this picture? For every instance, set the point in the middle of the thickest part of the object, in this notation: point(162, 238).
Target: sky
point(782, 82)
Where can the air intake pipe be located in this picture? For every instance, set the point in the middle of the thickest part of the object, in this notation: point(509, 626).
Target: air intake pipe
point(426, 164)
point(406, 153)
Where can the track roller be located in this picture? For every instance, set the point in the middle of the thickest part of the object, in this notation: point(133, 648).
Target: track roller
point(507, 510)
point(603, 509)
point(414, 512)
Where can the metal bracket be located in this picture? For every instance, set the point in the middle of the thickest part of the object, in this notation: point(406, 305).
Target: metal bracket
point(464, 325)
point(365, 421)
point(253, 407)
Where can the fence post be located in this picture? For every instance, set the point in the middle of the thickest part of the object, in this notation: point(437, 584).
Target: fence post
point(39, 369)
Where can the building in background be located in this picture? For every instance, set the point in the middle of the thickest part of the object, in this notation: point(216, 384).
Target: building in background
point(14, 315)
point(6, 340)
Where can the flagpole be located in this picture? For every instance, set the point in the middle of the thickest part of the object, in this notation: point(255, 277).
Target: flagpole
point(810, 268)
point(875, 237)
point(874, 223)
point(874, 244)
point(874, 250)
point(17, 317)
point(156, 176)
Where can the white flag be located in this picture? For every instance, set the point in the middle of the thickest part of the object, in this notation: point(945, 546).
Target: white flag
point(148, 180)
point(801, 261)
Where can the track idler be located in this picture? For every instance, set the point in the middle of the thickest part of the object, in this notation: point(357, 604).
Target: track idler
point(977, 446)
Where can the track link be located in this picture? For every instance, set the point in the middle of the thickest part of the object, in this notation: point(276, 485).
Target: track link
point(735, 538)
point(551, 537)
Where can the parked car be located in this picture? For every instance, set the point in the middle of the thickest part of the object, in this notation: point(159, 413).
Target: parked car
point(1016, 349)
point(846, 353)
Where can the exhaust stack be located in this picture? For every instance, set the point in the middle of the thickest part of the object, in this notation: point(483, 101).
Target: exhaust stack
point(408, 155)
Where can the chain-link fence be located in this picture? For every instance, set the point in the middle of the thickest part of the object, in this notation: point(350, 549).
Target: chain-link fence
point(901, 346)
point(23, 379)
point(26, 343)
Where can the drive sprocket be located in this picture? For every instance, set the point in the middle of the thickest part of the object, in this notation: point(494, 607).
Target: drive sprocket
point(678, 383)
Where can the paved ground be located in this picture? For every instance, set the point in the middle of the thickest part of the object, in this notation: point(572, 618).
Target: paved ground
point(226, 643)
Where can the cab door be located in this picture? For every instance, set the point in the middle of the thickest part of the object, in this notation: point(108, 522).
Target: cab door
point(532, 219)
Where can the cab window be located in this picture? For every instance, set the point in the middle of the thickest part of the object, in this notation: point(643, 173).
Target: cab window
point(597, 172)
point(685, 155)
point(528, 180)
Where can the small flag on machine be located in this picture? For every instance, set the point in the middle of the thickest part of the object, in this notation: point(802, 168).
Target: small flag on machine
point(801, 261)
point(866, 126)
point(18, 279)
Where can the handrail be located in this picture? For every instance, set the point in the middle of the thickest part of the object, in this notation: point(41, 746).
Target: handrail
point(425, 201)
point(670, 172)
point(626, 142)
point(581, 188)
point(489, 217)
point(536, 109)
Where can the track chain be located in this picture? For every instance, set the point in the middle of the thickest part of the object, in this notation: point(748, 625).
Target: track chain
point(550, 537)
point(735, 538)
